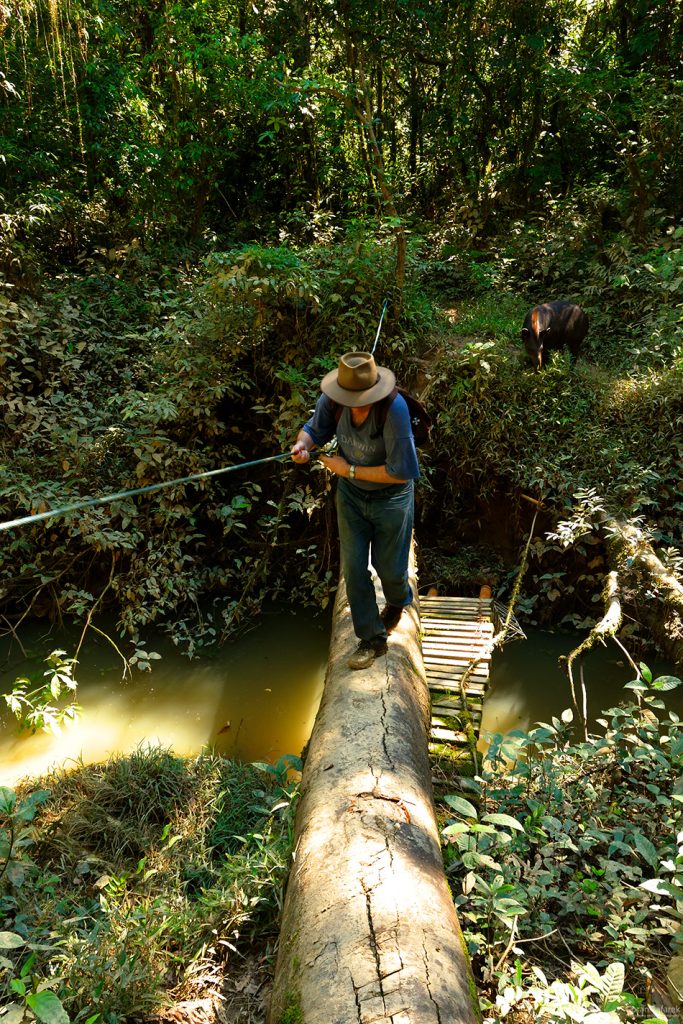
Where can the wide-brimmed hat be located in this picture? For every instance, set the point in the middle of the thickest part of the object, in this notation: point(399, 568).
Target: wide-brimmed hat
point(358, 381)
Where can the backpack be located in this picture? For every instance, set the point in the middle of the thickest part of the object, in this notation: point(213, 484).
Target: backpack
point(420, 419)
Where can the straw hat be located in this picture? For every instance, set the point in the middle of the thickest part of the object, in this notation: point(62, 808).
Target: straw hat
point(358, 380)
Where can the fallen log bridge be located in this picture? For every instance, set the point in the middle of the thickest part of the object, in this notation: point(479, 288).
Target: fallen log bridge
point(369, 932)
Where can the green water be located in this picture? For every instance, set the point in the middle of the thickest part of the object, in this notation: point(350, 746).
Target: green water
point(528, 686)
point(257, 698)
point(254, 699)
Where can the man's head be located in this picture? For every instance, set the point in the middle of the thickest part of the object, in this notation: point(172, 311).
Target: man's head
point(358, 381)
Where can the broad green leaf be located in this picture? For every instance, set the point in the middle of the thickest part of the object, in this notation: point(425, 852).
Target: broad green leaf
point(645, 672)
point(481, 860)
point(612, 982)
point(10, 940)
point(456, 829)
point(461, 806)
point(664, 683)
point(48, 1008)
point(646, 849)
point(504, 819)
point(8, 799)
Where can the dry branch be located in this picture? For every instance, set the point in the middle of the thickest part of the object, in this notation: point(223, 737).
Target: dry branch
point(643, 575)
point(606, 627)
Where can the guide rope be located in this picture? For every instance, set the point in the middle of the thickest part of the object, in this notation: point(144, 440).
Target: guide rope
point(107, 498)
point(11, 524)
point(379, 326)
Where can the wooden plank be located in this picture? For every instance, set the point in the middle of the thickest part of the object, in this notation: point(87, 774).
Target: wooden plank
point(457, 668)
point(455, 640)
point(450, 677)
point(454, 685)
point(459, 658)
point(431, 624)
point(453, 724)
point(475, 707)
point(468, 627)
point(473, 640)
point(474, 614)
point(466, 619)
point(482, 631)
point(456, 602)
point(448, 735)
point(456, 653)
point(448, 688)
point(474, 611)
point(458, 644)
point(478, 607)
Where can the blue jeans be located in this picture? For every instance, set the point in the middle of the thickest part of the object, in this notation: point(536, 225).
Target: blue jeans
point(374, 526)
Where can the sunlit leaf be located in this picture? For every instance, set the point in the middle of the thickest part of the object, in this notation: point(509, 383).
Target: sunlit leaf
point(47, 1008)
point(504, 819)
point(461, 806)
point(664, 683)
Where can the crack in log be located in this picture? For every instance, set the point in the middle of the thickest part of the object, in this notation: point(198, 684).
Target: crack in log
point(390, 854)
point(385, 727)
point(373, 940)
point(356, 995)
point(328, 945)
point(429, 990)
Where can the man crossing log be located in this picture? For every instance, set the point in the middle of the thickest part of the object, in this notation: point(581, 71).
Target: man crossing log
point(369, 932)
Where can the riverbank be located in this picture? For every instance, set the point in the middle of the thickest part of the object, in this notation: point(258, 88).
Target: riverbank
point(143, 883)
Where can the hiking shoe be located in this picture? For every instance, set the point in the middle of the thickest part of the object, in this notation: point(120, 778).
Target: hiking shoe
point(390, 615)
point(367, 651)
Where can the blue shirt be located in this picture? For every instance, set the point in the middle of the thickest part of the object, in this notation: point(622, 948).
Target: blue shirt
point(394, 447)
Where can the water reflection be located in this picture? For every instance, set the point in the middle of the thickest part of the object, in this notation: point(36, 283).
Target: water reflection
point(528, 686)
point(253, 700)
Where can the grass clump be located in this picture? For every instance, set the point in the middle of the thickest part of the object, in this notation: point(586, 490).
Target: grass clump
point(147, 875)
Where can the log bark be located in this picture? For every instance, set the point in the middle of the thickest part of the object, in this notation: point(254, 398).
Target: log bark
point(645, 575)
point(369, 932)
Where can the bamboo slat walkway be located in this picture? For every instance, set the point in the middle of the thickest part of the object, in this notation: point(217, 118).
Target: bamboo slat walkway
point(455, 632)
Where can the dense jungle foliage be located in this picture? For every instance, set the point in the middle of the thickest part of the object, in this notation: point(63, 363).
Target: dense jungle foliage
point(202, 205)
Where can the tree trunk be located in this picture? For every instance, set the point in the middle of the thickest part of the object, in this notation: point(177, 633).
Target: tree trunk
point(364, 113)
point(369, 930)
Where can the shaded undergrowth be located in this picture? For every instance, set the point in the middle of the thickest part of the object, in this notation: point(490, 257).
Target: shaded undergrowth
point(139, 882)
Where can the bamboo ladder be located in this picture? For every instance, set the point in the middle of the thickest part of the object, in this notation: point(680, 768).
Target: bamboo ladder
point(455, 632)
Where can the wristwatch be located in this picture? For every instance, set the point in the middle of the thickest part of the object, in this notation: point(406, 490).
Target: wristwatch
point(352, 472)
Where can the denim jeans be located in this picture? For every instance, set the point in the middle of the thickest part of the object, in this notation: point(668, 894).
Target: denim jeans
point(377, 527)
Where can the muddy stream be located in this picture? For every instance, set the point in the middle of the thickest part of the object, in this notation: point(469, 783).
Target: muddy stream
point(257, 698)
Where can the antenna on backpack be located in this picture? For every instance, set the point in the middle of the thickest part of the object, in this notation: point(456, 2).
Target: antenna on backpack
point(379, 326)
